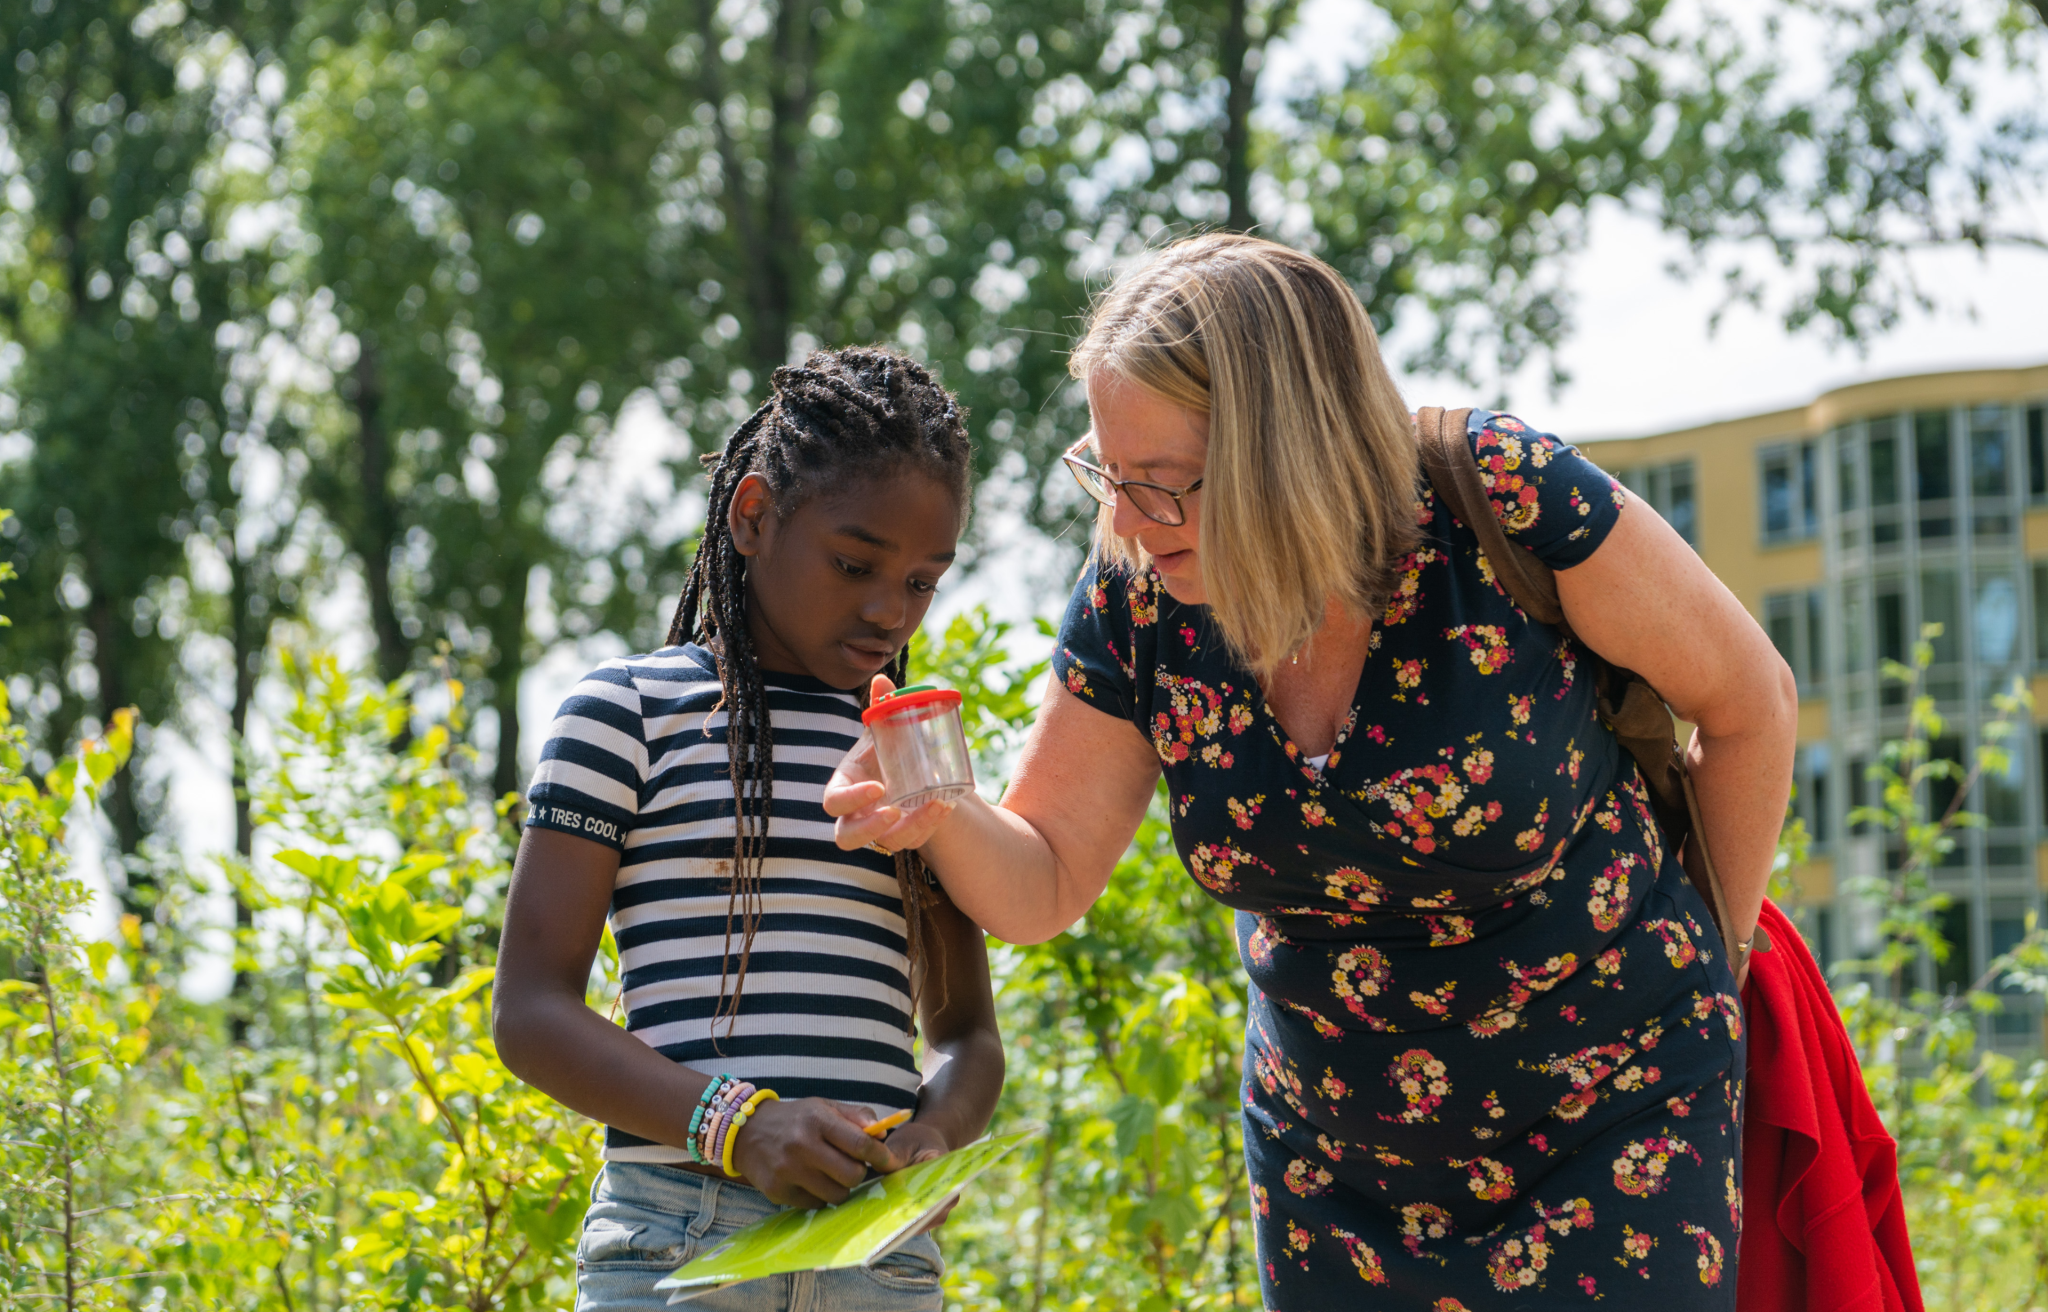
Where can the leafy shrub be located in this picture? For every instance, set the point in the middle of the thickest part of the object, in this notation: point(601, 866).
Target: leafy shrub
point(339, 1133)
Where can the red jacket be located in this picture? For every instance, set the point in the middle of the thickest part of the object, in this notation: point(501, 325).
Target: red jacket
point(1824, 1227)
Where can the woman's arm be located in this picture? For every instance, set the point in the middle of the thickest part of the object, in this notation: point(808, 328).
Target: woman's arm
point(801, 1153)
point(963, 1062)
point(1027, 869)
point(1645, 601)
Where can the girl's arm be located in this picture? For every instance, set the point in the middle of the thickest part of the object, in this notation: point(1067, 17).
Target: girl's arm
point(801, 1153)
point(1645, 601)
point(1027, 869)
point(963, 1053)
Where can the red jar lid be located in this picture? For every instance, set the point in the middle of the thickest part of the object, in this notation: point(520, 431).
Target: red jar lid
point(910, 698)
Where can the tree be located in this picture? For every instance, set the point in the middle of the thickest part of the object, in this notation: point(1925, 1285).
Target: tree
point(482, 206)
point(111, 298)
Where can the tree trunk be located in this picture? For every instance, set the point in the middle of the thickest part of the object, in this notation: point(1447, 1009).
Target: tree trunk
point(767, 243)
point(377, 528)
point(1241, 73)
point(123, 809)
point(250, 640)
point(789, 101)
point(508, 663)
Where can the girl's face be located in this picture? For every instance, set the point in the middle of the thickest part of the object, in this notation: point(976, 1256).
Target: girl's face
point(1140, 435)
point(836, 587)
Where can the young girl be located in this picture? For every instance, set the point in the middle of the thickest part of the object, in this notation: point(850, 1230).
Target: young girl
point(770, 978)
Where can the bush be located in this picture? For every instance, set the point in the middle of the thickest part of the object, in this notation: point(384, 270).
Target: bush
point(339, 1133)
point(361, 1147)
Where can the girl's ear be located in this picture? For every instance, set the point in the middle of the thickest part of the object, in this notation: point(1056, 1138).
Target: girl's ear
point(753, 503)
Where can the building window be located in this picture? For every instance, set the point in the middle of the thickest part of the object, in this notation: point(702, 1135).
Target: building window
point(1884, 468)
point(1855, 636)
point(1934, 475)
point(2041, 612)
point(1864, 792)
point(1670, 489)
point(1955, 974)
point(2043, 745)
point(1796, 622)
point(1889, 613)
point(1991, 459)
point(2037, 456)
point(2018, 1016)
point(1938, 605)
point(1810, 776)
point(1995, 619)
point(1791, 492)
point(2004, 791)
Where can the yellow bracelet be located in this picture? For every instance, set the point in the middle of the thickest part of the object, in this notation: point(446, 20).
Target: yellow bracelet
point(745, 1114)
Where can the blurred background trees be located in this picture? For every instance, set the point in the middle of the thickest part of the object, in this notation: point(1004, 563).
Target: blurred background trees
point(349, 312)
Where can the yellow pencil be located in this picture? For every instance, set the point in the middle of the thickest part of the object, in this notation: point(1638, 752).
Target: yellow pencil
point(888, 1123)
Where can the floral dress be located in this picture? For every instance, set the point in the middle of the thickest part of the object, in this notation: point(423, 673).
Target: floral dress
point(1493, 1054)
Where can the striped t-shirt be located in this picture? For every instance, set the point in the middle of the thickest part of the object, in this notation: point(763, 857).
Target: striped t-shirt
point(636, 760)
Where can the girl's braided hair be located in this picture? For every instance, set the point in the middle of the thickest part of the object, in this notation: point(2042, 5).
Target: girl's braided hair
point(841, 416)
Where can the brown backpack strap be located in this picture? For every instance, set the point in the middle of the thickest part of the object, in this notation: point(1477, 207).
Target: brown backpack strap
point(1447, 456)
point(1629, 706)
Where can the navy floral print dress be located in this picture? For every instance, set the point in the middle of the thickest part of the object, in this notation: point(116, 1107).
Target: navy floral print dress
point(1493, 1054)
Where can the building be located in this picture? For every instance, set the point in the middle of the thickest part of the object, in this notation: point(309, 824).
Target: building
point(1845, 526)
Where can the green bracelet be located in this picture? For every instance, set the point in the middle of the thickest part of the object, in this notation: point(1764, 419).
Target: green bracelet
point(704, 1100)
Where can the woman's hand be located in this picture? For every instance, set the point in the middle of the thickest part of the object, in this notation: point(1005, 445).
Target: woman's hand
point(854, 798)
point(809, 1152)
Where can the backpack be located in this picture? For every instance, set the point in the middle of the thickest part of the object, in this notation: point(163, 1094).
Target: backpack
point(1628, 704)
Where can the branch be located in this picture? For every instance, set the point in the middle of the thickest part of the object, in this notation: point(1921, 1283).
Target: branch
point(162, 1199)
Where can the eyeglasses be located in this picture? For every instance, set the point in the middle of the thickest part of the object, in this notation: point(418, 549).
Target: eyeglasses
point(1155, 501)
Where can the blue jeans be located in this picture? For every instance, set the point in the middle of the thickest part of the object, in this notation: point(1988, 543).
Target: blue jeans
point(646, 1220)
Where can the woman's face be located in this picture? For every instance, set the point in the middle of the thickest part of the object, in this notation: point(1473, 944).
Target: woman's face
point(1139, 435)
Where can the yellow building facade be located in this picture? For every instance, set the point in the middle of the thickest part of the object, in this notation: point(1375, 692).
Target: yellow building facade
point(1847, 526)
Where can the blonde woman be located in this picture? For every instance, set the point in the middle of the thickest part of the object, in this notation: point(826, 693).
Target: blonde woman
point(1494, 1048)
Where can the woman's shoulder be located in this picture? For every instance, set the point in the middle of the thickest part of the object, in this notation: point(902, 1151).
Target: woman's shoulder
point(1120, 591)
point(1546, 493)
point(1496, 433)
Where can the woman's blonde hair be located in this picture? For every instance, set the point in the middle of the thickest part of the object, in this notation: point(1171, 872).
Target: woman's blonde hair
point(1310, 486)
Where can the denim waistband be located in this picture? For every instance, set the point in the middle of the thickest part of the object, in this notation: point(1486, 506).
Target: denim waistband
point(678, 1192)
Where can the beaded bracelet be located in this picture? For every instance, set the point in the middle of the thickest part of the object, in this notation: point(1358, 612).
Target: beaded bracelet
point(704, 1100)
point(712, 1125)
point(721, 1115)
point(746, 1114)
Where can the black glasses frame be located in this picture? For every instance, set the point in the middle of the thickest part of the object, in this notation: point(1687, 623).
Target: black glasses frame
point(1093, 477)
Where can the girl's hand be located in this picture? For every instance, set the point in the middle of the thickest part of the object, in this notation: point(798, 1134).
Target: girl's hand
point(854, 798)
point(916, 1142)
point(808, 1152)
point(919, 1142)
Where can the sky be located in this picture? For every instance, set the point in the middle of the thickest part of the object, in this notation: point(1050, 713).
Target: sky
point(1644, 361)
point(1641, 360)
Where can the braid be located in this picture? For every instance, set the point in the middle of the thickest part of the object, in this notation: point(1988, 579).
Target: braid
point(859, 411)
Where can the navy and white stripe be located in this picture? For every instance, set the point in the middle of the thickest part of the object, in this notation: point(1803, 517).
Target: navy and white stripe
point(636, 760)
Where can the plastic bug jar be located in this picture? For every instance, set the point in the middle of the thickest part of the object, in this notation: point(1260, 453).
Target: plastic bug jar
point(920, 745)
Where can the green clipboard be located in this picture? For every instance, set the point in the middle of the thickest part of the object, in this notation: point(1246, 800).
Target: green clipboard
point(867, 1227)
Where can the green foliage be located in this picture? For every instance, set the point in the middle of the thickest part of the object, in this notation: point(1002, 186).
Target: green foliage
point(364, 1148)
point(361, 1147)
point(1125, 1036)
point(1971, 1123)
point(63, 1042)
